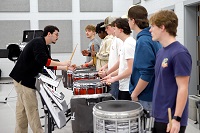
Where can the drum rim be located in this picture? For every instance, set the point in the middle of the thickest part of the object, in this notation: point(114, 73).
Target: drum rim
point(85, 85)
point(88, 96)
point(88, 81)
point(113, 115)
point(83, 72)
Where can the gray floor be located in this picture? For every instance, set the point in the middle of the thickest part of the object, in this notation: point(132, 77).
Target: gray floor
point(7, 110)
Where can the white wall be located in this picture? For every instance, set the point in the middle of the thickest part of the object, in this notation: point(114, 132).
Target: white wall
point(120, 8)
point(155, 5)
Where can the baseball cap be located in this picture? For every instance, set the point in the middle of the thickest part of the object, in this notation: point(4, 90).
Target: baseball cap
point(108, 21)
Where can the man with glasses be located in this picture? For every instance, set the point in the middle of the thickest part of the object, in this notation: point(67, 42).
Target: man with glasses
point(31, 61)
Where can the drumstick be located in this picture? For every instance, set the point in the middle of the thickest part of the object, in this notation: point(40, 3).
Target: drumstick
point(92, 51)
point(170, 117)
point(73, 52)
point(92, 46)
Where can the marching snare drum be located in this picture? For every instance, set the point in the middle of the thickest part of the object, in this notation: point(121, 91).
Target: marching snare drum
point(67, 79)
point(80, 75)
point(90, 86)
point(119, 116)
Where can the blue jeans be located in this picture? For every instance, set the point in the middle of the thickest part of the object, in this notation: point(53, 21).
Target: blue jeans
point(147, 106)
point(114, 89)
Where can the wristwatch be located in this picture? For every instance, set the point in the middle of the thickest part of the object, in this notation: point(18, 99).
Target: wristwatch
point(177, 118)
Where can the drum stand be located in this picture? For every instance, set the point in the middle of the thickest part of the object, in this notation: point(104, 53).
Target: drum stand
point(49, 124)
point(148, 122)
point(9, 94)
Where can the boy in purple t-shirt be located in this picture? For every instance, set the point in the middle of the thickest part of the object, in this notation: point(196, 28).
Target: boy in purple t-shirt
point(172, 74)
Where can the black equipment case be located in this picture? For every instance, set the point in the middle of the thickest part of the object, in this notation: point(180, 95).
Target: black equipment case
point(81, 111)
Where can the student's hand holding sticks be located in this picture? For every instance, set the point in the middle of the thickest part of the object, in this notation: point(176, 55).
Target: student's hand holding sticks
point(173, 125)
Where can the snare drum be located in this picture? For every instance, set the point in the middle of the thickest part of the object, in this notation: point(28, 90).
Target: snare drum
point(80, 75)
point(68, 79)
point(119, 116)
point(91, 86)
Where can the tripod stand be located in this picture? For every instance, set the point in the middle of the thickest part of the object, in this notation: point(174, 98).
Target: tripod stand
point(8, 96)
point(3, 54)
point(12, 53)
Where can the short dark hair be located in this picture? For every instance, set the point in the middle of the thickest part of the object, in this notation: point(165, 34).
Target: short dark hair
point(49, 28)
point(122, 23)
point(99, 29)
point(139, 14)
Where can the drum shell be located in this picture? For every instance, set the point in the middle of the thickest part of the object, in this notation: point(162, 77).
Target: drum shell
point(68, 79)
point(90, 86)
point(81, 110)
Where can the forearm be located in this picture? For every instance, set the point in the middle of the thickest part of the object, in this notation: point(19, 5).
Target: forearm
point(114, 68)
point(90, 63)
point(181, 100)
point(141, 85)
point(105, 66)
point(123, 75)
point(115, 73)
point(56, 63)
point(182, 94)
point(62, 67)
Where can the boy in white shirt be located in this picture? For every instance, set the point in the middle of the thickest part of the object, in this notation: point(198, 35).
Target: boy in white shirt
point(125, 61)
point(113, 56)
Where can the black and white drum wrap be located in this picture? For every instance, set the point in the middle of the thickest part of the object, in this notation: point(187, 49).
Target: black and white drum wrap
point(68, 76)
point(117, 116)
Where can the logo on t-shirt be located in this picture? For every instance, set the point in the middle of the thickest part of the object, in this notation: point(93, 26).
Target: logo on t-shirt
point(165, 62)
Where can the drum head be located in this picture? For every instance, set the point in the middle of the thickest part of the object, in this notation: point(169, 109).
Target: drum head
point(83, 69)
point(118, 106)
point(89, 81)
point(117, 109)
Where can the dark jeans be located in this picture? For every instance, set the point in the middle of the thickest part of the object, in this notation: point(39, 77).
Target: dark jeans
point(124, 95)
point(114, 89)
point(160, 127)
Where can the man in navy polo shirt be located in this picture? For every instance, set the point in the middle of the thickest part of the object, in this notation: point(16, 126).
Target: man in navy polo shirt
point(172, 75)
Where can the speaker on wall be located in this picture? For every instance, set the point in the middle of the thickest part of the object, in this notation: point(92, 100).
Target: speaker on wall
point(28, 35)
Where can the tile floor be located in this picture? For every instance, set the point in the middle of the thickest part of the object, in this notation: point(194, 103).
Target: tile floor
point(7, 110)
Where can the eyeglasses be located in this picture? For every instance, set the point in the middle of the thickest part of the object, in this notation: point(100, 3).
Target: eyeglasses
point(56, 34)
